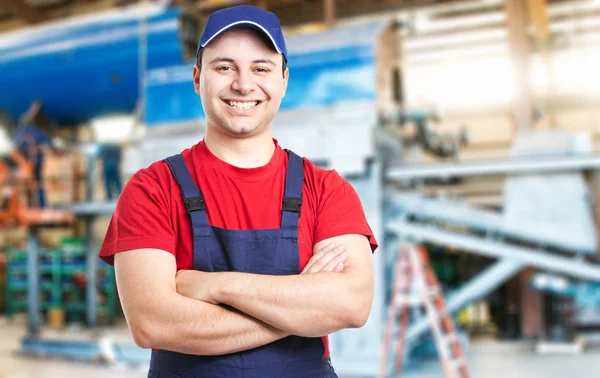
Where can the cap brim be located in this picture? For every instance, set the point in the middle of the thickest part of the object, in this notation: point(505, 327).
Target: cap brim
point(242, 25)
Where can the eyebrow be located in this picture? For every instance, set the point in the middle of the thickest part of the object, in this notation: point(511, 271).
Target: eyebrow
point(221, 59)
point(268, 61)
point(229, 60)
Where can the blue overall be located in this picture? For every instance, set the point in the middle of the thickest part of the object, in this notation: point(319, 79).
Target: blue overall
point(268, 251)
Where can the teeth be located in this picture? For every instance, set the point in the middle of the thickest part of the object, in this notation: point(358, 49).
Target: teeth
point(242, 104)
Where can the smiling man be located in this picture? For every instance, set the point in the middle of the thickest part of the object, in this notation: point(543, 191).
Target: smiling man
point(236, 257)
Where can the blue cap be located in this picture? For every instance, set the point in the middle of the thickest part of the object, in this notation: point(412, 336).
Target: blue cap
point(244, 16)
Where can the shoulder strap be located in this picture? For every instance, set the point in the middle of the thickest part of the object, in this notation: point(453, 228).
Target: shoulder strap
point(192, 197)
point(292, 197)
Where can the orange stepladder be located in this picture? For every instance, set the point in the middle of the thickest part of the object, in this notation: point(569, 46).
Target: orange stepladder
point(413, 265)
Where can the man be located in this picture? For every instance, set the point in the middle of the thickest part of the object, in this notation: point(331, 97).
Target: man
point(32, 142)
point(110, 155)
point(237, 257)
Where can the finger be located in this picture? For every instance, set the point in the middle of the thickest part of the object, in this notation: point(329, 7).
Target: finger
point(318, 255)
point(327, 258)
point(339, 267)
point(322, 257)
point(341, 258)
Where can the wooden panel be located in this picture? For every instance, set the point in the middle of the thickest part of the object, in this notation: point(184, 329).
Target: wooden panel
point(59, 178)
point(12, 24)
point(469, 187)
point(60, 12)
point(538, 17)
point(329, 12)
point(100, 228)
point(579, 119)
point(470, 154)
point(481, 131)
point(388, 55)
point(532, 310)
point(51, 237)
point(520, 53)
point(23, 10)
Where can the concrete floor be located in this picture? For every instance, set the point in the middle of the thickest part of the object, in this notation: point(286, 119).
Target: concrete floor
point(487, 359)
point(492, 359)
point(15, 365)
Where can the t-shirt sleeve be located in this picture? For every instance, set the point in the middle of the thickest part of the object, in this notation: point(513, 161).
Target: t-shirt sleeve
point(340, 211)
point(141, 219)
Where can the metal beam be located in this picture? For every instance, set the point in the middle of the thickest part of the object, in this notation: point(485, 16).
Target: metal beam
point(90, 209)
point(33, 282)
point(533, 165)
point(526, 256)
point(477, 220)
point(23, 10)
point(475, 289)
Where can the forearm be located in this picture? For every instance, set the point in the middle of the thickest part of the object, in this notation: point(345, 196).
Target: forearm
point(310, 305)
point(194, 327)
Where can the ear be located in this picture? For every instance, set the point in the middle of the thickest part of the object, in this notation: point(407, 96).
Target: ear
point(286, 76)
point(196, 75)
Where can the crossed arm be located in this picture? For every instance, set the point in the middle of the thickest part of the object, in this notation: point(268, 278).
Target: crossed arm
point(181, 312)
point(161, 318)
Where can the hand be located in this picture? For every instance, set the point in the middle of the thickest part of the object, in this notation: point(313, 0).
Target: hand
point(330, 258)
point(196, 284)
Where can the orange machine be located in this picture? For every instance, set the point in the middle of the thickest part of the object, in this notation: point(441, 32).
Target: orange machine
point(14, 170)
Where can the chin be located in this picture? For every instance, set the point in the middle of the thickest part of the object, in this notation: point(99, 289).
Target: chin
point(242, 130)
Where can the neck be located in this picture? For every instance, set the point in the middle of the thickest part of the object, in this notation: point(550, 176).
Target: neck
point(250, 152)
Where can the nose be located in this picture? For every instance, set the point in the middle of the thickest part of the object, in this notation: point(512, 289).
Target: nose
point(243, 83)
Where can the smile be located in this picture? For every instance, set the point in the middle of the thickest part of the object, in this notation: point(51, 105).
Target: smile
point(242, 104)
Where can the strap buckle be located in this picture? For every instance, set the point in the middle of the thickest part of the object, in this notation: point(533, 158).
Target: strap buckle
point(292, 204)
point(194, 203)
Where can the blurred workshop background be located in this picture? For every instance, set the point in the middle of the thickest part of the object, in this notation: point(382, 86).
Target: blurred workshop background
point(470, 130)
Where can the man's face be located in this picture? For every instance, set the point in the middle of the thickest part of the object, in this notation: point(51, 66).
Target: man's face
point(241, 84)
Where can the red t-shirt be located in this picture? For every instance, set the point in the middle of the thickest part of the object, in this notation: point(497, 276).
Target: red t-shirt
point(150, 212)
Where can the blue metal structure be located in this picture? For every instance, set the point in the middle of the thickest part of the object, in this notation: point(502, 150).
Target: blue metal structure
point(90, 66)
point(586, 295)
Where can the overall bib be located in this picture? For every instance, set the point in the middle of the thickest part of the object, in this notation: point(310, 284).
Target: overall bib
point(268, 251)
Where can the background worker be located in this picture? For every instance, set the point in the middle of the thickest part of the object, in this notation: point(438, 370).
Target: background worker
point(33, 141)
point(111, 154)
point(237, 257)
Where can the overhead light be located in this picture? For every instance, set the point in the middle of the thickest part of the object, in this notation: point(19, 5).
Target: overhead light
point(115, 129)
point(6, 144)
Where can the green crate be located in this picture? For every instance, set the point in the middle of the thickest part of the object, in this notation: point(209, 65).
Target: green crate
point(57, 269)
point(13, 254)
point(73, 247)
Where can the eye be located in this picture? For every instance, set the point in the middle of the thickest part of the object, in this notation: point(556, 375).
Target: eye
point(262, 70)
point(224, 68)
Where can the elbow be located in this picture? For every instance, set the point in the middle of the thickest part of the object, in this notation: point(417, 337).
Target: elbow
point(143, 334)
point(359, 311)
point(359, 317)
